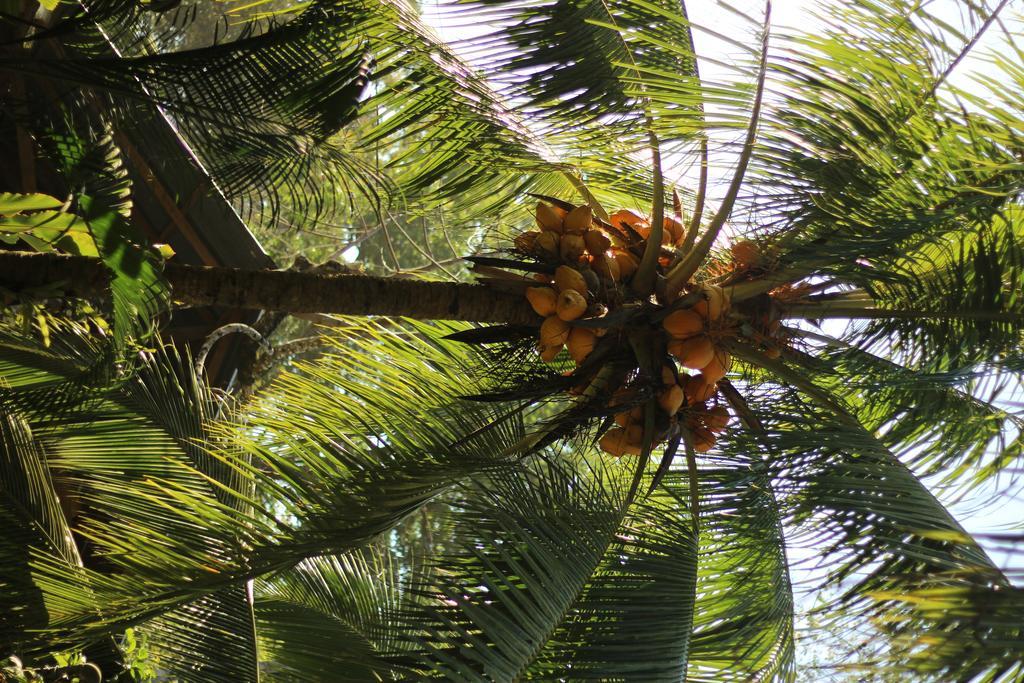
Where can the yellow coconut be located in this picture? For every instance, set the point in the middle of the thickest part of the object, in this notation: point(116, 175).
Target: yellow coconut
point(567, 278)
point(683, 324)
point(694, 353)
point(579, 219)
point(554, 332)
point(543, 300)
point(550, 218)
point(570, 305)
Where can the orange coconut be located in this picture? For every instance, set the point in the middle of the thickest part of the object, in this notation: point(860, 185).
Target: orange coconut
point(570, 305)
point(717, 418)
point(580, 343)
point(718, 367)
point(550, 218)
point(567, 278)
point(697, 390)
point(746, 253)
point(554, 332)
point(694, 353)
point(597, 242)
point(578, 220)
point(543, 300)
point(671, 400)
point(571, 248)
point(546, 245)
point(683, 324)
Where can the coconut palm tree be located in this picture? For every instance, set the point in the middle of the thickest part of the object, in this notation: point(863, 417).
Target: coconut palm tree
point(855, 274)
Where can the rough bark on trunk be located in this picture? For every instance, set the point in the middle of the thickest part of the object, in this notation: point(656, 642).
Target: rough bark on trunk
point(280, 290)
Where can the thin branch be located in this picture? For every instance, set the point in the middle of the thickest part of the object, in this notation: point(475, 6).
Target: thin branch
point(992, 18)
point(434, 262)
point(702, 183)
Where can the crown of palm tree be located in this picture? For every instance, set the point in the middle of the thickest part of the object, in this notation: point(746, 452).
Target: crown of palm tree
point(256, 541)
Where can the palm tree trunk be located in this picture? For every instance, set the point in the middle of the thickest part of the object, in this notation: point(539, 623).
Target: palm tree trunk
point(280, 290)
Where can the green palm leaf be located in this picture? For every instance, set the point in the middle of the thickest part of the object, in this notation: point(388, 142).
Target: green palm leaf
point(328, 618)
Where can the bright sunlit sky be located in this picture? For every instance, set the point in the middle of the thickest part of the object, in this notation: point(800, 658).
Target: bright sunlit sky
point(980, 512)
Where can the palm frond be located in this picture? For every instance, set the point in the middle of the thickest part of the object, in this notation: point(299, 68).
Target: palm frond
point(33, 518)
point(490, 610)
point(743, 617)
point(209, 639)
point(326, 613)
point(970, 633)
point(329, 479)
point(978, 437)
point(869, 150)
point(879, 530)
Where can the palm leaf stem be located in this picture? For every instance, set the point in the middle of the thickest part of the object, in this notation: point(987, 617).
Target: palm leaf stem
point(644, 279)
point(698, 203)
point(796, 380)
point(694, 479)
point(751, 288)
point(684, 270)
point(851, 309)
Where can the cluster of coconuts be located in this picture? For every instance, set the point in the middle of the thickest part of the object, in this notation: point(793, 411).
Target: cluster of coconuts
point(591, 269)
point(587, 266)
point(702, 420)
point(588, 281)
point(694, 335)
point(767, 330)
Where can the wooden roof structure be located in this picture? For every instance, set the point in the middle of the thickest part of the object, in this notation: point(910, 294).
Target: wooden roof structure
point(174, 201)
